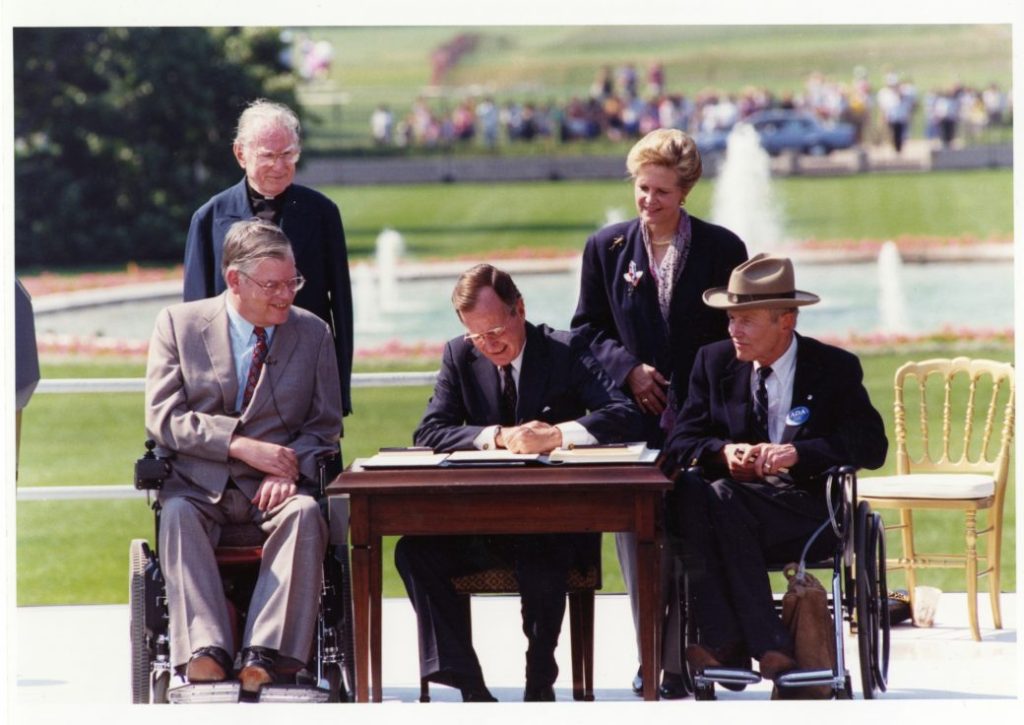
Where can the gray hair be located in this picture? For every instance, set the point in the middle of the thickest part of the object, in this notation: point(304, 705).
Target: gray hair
point(262, 114)
point(252, 241)
point(474, 280)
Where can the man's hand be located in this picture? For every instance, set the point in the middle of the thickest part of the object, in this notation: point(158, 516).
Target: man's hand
point(753, 462)
point(649, 388)
point(533, 437)
point(269, 458)
point(274, 491)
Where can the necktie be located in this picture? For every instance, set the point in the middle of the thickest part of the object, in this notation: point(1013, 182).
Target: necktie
point(509, 398)
point(761, 403)
point(259, 354)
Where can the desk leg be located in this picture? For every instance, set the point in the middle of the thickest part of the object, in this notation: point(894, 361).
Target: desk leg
point(649, 594)
point(376, 607)
point(361, 619)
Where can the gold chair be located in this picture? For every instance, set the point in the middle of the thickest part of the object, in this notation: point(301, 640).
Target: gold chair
point(973, 402)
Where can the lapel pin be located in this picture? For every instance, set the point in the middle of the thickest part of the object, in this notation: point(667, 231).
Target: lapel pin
point(798, 416)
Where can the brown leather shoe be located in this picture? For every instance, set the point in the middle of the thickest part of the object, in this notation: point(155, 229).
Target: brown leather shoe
point(701, 657)
point(208, 664)
point(257, 668)
point(775, 663)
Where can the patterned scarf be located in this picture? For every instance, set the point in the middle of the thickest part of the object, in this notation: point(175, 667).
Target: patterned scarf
point(667, 273)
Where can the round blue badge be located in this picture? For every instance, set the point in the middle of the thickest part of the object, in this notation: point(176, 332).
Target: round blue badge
point(798, 416)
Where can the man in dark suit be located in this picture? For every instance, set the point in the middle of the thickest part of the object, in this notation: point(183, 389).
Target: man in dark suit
point(529, 389)
point(267, 147)
point(767, 414)
point(243, 389)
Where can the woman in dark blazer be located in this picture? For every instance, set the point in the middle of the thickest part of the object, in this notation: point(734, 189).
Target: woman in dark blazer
point(641, 308)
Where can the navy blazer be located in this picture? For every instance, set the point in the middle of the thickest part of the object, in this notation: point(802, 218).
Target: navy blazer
point(624, 324)
point(842, 428)
point(312, 223)
point(560, 381)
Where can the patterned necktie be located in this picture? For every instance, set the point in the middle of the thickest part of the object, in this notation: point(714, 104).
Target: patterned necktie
point(509, 398)
point(761, 404)
point(259, 354)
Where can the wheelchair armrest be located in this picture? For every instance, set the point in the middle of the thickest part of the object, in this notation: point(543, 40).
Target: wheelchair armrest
point(152, 468)
point(328, 466)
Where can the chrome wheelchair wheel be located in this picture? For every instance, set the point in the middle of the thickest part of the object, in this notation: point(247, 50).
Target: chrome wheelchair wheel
point(872, 596)
point(141, 657)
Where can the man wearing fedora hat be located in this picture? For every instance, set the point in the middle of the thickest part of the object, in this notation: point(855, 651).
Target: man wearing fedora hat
point(767, 413)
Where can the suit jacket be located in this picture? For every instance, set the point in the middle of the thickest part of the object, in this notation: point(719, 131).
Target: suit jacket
point(191, 387)
point(560, 381)
point(842, 428)
point(312, 223)
point(624, 324)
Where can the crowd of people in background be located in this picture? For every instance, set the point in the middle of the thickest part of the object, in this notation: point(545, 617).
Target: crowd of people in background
point(620, 104)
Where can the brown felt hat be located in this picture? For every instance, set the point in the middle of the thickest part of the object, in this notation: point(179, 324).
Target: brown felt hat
point(764, 280)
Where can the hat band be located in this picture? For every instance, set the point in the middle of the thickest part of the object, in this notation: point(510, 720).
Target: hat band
point(742, 299)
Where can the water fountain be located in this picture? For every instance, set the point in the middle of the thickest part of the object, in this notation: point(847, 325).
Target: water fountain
point(389, 248)
point(743, 200)
point(613, 215)
point(892, 303)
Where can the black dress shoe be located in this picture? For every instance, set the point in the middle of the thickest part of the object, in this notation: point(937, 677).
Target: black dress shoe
point(478, 693)
point(638, 682)
point(257, 668)
point(673, 687)
point(209, 664)
point(545, 693)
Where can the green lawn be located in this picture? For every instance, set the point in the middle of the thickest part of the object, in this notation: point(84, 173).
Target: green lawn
point(76, 552)
point(493, 218)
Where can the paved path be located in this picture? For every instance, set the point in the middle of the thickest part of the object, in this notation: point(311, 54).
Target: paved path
point(73, 662)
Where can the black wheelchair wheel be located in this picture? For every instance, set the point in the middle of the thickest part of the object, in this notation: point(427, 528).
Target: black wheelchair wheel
point(141, 656)
point(704, 692)
point(348, 652)
point(872, 601)
point(880, 662)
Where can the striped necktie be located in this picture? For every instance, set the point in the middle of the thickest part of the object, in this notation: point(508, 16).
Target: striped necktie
point(761, 404)
point(509, 398)
point(259, 354)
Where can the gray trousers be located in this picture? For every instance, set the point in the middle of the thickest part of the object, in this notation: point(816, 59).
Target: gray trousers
point(671, 629)
point(283, 608)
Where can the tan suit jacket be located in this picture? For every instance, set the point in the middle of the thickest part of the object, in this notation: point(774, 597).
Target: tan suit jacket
point(191, 387)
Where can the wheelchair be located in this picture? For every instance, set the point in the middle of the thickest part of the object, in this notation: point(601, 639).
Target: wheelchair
point(329, 676)
point(858, 595)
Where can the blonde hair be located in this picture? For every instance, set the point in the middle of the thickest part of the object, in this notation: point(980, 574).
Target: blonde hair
point(671, 149)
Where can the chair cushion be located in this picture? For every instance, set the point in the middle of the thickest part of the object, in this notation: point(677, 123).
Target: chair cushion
point(503, 581)
point(242, 534)
point(927, 485)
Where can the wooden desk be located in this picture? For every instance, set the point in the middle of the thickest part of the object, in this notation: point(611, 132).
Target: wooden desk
point(498, 500)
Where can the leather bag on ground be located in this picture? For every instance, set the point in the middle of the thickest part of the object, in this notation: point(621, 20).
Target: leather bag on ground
point(806, 614)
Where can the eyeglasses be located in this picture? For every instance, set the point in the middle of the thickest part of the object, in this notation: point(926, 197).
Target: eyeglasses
point(269, 289)
point(492, 335)
point(267, 158)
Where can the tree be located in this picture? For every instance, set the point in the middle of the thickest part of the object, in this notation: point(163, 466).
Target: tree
point(121, 133)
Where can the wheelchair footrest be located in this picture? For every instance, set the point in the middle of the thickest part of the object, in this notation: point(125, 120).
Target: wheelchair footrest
point(726, 676)
point(207, 693)
point(292, 693)
point(802, 678)
point(211, 693)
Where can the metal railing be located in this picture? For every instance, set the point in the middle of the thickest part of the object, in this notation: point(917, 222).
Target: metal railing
point(64, 386)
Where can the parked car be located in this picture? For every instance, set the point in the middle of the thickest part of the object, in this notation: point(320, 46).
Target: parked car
point(786, 130)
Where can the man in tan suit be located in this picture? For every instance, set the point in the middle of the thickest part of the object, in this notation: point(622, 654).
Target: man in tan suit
point(243, 389)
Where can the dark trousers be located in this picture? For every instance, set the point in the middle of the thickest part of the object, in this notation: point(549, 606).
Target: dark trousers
point(541, 564)
point(731, 532)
